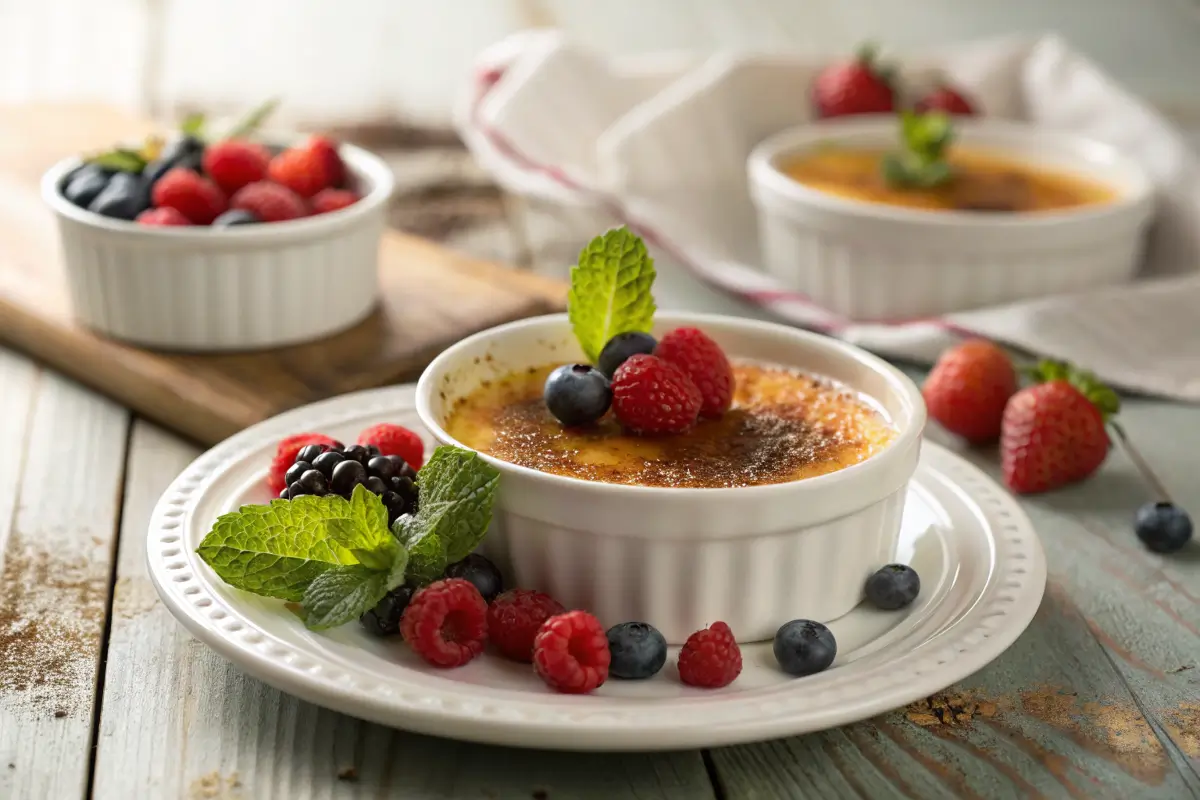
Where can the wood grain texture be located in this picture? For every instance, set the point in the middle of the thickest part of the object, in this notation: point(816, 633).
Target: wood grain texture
point(59, 497)
point(1097, 699)
point(178, 721)
point(432, 298)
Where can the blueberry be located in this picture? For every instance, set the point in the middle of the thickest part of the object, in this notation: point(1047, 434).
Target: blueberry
point(384, 618)
point(295, 471)
point(124, 197)
point(893, 587)
point(621, 347)
point(577, 394)
point(310, 452)
point(186, 151)
point(638, 650)
point(804, 647)
point(313, 482)
point(479, 571)
point(236, 216)
point(327, 461)
point(82, 185)
point(1163, 527)
point(346, 476)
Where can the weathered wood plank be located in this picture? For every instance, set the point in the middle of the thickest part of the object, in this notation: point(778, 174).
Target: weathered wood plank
point(1097, 699)
point(178, 721)
point(59, 499)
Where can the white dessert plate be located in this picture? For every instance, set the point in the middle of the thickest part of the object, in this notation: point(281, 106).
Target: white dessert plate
point(981, 566)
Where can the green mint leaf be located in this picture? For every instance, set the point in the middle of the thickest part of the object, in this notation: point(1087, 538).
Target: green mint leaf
point(121, 160)
point(610, 290)
point(253, 121)
point(398, 572)
point(342, 594)
point(193, 125)
point(458, 489)
point(278, 549)
point(424, 550)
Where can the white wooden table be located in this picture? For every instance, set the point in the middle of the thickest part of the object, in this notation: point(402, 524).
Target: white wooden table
point(103, 694)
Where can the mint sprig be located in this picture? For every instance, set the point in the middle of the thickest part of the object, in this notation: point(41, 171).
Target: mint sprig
point(610, 290)
point(921, 161)
point(337, 557)
point(458, 490)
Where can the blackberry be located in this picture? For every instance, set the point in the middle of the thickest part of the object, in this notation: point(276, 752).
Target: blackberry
point(323, 469)
point(384, 618)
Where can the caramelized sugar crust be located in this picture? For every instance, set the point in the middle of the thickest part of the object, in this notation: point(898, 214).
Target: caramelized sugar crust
point(784, 426)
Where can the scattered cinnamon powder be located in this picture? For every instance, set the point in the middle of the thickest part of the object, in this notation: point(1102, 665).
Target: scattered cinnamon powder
point(51, 620)
point(1183, 723)
point(951, 710)
point(215, 786)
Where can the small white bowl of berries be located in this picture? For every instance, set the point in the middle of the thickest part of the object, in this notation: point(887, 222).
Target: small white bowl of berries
point(223, 242)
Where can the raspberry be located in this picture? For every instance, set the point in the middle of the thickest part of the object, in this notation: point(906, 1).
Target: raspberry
point(395, 440)
point(234, 163)
point(191, 194)
point(328, 200)
point(162, 216)
point(303, 171)
point(514, 619)
point(285, 456)
point(270, 202)
point(702, 360)
point(571, 653)
point(653, 396)
point(446, 622)
point(710, 658)
point(327, 151)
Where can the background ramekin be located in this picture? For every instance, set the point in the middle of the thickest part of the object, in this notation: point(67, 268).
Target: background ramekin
point(241, 288)
point(681, 559)
point(869, 261)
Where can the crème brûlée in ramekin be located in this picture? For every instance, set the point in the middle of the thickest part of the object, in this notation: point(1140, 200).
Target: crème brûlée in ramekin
point(784, 425)
point(778, 510)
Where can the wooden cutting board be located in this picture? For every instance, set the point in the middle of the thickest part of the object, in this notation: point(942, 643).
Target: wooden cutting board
point(433, 298)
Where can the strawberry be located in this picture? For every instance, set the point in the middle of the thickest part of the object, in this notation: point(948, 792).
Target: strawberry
point(654, 396)
point(702, 360)
point(285, 455)
point(945, 98)
point(162, 217)
point(327, 151)
point(303, 171)
point(270, 202)
point(967, 389)
point(189, 193)
point(328, 200)
point(854, 87)
point(395, 440)
point(234, 163)
point(1053, 432)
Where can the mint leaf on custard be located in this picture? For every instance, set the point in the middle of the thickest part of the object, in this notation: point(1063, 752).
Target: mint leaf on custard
point(921, 161)
point(610, 290)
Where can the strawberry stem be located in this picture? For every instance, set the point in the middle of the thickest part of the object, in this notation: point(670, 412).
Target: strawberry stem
point(1102, 396)
point(1160, 491)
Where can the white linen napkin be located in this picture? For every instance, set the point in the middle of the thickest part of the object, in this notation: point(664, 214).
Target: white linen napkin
point(551, 120)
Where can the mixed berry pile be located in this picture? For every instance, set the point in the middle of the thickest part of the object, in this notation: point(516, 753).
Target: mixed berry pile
point(653, 387)
point(231, 181)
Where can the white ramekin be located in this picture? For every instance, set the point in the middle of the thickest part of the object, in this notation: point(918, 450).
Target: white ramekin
point(681, 559)
point(868, 261)
point(241, 288)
